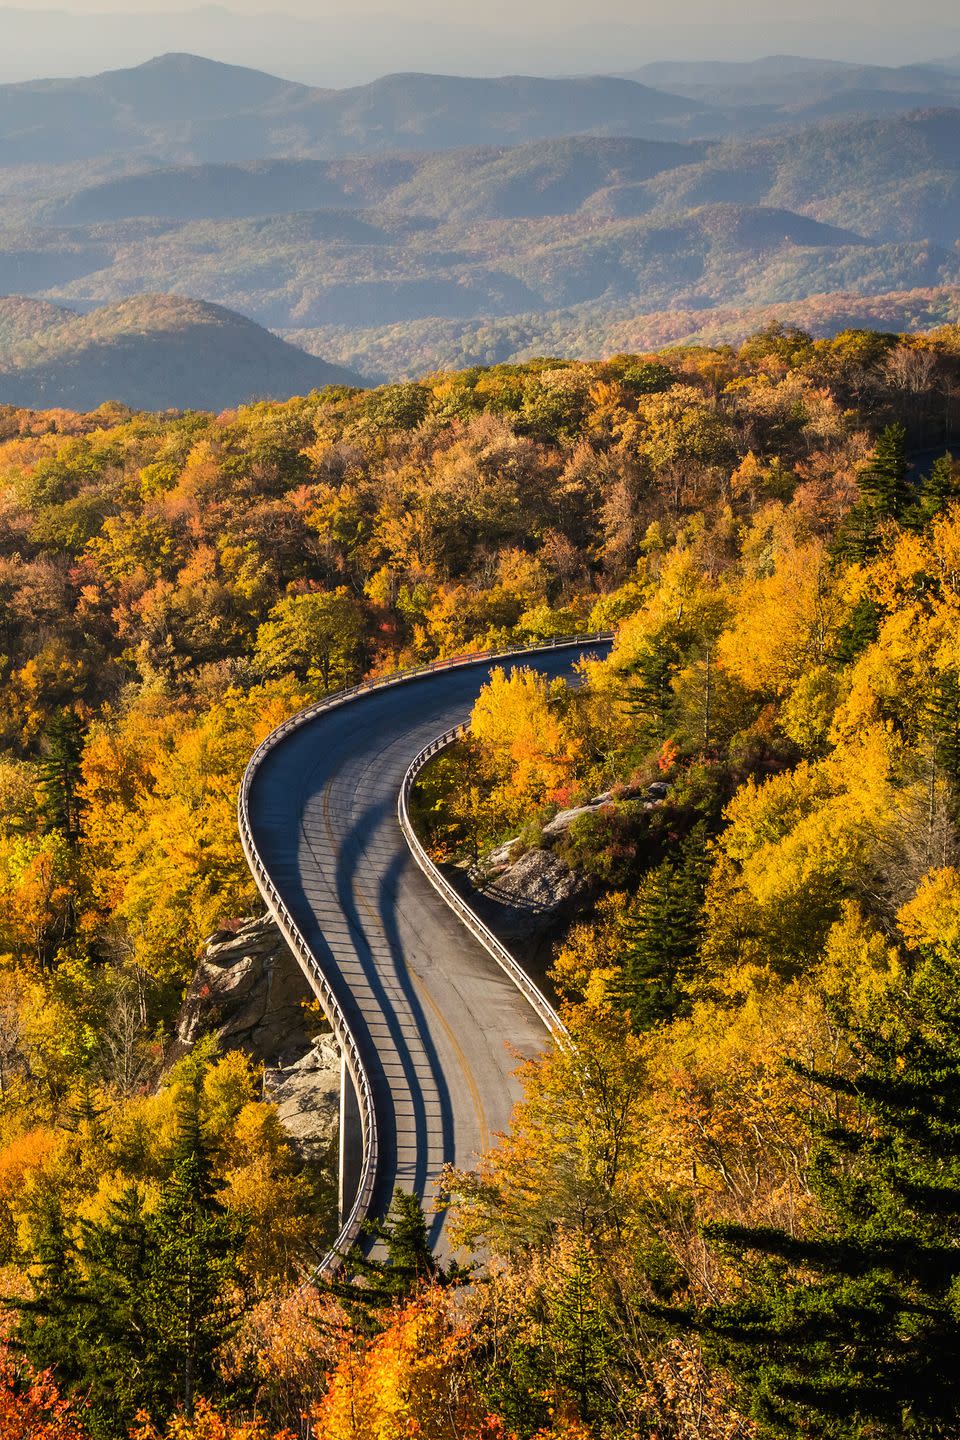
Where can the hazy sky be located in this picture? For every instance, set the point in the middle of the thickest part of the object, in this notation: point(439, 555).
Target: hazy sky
point(336, 42)
point(632, 13)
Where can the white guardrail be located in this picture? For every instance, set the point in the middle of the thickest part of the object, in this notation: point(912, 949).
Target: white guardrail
point(458, 905)
point(352, 1225)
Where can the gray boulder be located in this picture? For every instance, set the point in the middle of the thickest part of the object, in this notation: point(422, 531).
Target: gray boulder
point(526, 899)
point(562, 821)
point(249, 991)
point(307, 1096)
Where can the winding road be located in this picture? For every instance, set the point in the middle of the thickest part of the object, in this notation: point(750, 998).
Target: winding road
point(435, 1023)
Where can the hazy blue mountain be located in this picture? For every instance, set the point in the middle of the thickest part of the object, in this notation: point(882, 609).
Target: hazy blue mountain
point(197, 192)
point(679, 75)
point(889, 178)
point(149, 352)
point(785, 79)
point(327, 240)
point(182, 108)
point(492, 232)
point(146, 110)
point(783, 92)
point(549, 177)
point(895, 178)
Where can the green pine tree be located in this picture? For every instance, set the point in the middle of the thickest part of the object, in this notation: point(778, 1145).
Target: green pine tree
point(883, 480)
point(395, 1263)
point(943, 720)
point(853, 1330)
point(134, 1311)
point(662, 937)
point(59, 770)
point(123, 1369)
point(567, 1355)
point(885, 494)
point(940, 487)
point(580, 1341)
point(50, 1321)
point(85, 1319)
point(857, 538)
point(649, 693)
point(858, 631)
point(193, 1300)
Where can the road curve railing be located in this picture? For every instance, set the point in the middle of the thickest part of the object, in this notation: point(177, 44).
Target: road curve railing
point(531, 992)
point(352, 1224)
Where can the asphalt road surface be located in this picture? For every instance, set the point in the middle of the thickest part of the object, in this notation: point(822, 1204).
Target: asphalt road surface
point(439, 1024)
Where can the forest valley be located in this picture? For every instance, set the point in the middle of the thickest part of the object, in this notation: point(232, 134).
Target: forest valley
point(733, 1210)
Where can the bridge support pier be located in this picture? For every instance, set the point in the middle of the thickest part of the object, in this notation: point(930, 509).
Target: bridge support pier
point(351, 1141)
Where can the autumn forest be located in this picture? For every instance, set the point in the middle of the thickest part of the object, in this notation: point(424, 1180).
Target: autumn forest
point(730, 1208)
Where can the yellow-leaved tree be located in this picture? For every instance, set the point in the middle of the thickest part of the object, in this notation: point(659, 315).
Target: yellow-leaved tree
point(412, 1380)
point(160, 789)
point(519, 723)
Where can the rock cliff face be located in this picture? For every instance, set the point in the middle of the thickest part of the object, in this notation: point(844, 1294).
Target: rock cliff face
point(249, 991)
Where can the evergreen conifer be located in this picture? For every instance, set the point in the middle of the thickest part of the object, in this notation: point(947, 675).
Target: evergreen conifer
point(663, 935)
point(883, 480)
point(853, 1330)
point(581, 1340)
point(943, 709)
point(133, 1312)
point(59, 770)
point(940, 487)
point(396, 1262)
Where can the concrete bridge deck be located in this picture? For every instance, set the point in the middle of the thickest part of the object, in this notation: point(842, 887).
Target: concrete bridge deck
point(436, 1021)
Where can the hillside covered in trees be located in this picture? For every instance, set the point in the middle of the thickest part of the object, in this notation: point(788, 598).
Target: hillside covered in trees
point(429, 222)
point(731, 1209)
point(156, 352)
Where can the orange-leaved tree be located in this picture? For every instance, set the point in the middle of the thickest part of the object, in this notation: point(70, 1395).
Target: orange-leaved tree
point(206, 1424)
point(31, 1406)
point(413, 1379)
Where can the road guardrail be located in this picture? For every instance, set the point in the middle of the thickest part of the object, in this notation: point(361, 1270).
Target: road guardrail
point(351, 1226)
point(531, 992)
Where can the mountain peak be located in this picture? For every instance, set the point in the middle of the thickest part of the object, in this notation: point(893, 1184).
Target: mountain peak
point(184, 61)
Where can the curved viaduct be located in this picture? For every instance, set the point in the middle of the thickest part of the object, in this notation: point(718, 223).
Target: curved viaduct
point(429, 1021)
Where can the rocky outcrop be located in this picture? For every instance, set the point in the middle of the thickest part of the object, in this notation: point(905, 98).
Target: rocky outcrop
point(307, 1096)
point(527, 897)
point(250, 992)
point(524, 894)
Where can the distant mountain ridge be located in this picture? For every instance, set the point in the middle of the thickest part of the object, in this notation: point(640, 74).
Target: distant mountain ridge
point(587, 331)
point(151, 353)
point(184, 108)
point(890, 178)
point(790, 80)
point(546, 177)
point(254, 194)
